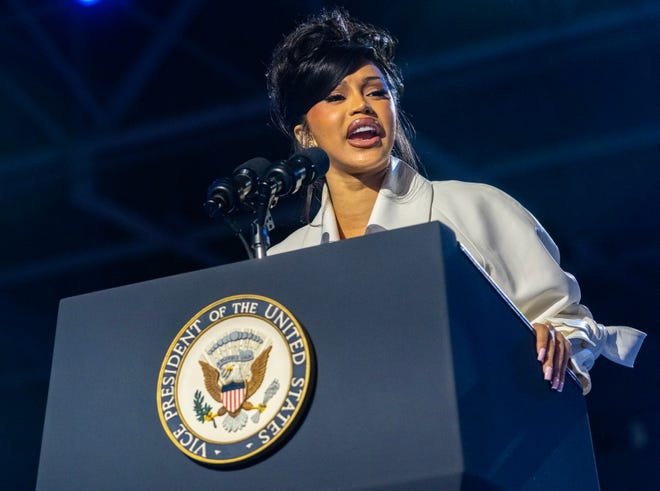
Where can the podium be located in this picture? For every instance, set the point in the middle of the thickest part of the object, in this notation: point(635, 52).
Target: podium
point(426, 378)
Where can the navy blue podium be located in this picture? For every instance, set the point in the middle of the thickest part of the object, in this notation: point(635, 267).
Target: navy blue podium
point(426, 378)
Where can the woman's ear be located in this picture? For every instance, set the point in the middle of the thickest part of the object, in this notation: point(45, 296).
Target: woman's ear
point(303, 136)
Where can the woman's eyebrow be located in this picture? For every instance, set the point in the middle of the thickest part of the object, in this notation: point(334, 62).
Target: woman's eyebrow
point(364, 80)
point(372, 78)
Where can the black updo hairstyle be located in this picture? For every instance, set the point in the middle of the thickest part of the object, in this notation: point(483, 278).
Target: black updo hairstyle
point(312, 60)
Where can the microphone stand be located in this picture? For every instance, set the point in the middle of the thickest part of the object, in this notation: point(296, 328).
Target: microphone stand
point(262, 224)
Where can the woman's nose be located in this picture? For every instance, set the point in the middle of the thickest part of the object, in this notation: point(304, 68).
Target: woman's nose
point(360, 104)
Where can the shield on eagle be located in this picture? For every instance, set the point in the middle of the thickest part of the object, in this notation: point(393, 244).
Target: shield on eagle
point(233, 395)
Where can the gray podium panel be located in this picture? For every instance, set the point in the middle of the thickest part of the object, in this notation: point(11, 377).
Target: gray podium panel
point(426, 378)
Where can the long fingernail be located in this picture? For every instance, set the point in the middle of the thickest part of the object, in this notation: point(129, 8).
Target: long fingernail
point(542, 353)
point(561, 387)
point(547, 373)
point(555, 383)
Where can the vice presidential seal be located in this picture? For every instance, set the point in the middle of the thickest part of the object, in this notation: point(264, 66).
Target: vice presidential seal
point(234, 380)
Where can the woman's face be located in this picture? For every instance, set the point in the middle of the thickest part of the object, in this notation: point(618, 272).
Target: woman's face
point(354, 124)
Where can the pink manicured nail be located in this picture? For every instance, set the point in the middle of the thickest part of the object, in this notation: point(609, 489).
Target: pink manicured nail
point(547, 373)
point(542, 353)
point(555, 383)
point(561, 387)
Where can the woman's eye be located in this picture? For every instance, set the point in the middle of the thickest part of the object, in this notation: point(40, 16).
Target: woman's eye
point(379, 93)
point(334, 98)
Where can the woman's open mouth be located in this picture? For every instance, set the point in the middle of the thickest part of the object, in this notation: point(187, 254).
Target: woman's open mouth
point(364, 132)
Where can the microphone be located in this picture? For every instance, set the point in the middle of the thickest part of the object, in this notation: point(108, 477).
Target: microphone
point(301, 169)
point(259, 177)
point(220, 197)
point(224, 194)
point(246, 175)
point(282, 178)
point(256, 184)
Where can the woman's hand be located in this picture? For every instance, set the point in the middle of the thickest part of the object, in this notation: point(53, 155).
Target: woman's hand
point(553, 351)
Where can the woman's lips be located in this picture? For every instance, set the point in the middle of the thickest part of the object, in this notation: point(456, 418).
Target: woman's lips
point(364, 132)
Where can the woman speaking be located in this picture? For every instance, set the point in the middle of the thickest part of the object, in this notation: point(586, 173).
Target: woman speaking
point(333, 84)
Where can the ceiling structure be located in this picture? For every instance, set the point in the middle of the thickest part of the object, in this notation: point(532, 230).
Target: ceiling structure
point(117, 115)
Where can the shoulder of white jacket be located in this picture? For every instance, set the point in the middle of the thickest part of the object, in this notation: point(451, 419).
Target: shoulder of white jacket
point(473, 188)
point(477, 194)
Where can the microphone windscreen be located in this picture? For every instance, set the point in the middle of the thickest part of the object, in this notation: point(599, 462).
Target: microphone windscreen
point(319, 160)
point(258, 165)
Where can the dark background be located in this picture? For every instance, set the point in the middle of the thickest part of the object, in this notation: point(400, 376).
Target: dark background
point(116, 116)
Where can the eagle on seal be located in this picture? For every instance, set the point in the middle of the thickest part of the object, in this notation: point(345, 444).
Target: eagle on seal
point(234, 390)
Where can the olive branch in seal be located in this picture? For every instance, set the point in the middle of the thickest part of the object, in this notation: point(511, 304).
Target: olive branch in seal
point(202, 409)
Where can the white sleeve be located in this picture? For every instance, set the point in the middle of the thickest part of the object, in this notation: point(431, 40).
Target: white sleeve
point(523, 261)
point(589, 340)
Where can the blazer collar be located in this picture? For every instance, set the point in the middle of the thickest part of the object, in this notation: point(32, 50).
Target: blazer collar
point(404, 199)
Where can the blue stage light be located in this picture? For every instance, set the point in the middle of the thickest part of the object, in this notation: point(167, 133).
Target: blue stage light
point(88, 2)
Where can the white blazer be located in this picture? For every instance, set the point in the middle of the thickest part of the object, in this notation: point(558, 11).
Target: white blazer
point(509, 244)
